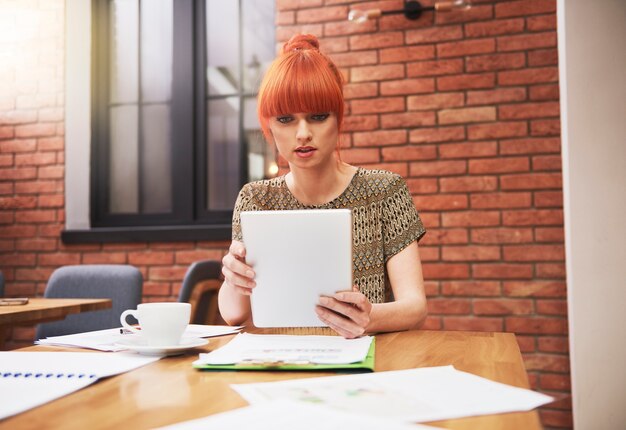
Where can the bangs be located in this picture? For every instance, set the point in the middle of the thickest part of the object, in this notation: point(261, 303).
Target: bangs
point(300, 83)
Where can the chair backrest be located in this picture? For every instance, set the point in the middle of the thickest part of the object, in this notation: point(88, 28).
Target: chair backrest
point(121, 283)
point(1, 285)
point(200, 287)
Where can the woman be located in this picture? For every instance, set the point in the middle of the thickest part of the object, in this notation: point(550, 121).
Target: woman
point(300, 108)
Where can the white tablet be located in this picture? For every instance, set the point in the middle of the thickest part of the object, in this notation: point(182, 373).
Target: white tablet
point(297, 256)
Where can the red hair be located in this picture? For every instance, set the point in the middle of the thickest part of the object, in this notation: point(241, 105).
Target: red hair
point(301, 79)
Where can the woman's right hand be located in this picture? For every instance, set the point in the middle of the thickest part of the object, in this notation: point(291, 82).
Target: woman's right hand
point(237, 274)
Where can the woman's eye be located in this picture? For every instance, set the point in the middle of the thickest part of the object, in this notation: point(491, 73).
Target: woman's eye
point(284, 119)
point(319, 116)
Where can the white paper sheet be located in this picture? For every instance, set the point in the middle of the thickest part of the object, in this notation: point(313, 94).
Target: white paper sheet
point(416, 395)
point(30, 379)
point(286, 414)
point(106, 340)
point(292, 349)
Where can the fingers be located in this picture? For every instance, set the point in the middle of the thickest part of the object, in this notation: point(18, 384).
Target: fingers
point(237, 274)
point(348, 313)
point(237, 249)
point(342, 325)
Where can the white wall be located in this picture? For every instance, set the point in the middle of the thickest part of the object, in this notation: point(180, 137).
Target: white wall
point(592, 63)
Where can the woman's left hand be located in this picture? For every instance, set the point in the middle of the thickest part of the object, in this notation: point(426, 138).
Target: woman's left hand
point(348, 312)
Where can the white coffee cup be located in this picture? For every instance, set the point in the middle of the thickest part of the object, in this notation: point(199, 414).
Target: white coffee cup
point(162, 324)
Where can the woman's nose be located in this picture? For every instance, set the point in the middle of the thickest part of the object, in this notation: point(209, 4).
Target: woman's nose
point(303, 133)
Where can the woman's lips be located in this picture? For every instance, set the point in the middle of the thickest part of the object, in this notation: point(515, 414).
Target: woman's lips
point(305, 151)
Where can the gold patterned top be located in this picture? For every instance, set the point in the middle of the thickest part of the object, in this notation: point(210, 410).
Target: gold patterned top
point(384, 220)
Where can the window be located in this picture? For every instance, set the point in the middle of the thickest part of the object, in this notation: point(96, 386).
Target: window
point(174, 128)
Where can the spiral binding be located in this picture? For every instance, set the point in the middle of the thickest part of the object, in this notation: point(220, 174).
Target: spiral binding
point(44, 375)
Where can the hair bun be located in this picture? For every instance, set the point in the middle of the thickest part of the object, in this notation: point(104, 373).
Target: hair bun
point(301, 42)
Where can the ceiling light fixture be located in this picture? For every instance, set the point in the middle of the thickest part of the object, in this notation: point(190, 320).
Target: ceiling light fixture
point(412, 10)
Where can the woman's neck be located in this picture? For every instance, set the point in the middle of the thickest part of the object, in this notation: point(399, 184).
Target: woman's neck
point(319, 186)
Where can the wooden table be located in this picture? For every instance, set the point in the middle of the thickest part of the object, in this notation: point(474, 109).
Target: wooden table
point(40, 310)
point(170, 390)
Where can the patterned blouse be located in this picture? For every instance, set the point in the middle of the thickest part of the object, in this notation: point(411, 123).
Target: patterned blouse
point(383, 214)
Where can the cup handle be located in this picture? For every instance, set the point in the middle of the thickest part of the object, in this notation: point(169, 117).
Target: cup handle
point(125, 324)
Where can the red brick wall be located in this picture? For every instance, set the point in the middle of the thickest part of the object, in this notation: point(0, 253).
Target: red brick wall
point(465, 106)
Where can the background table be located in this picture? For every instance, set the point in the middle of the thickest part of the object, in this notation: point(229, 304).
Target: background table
point(170, 390)
point(40, 310)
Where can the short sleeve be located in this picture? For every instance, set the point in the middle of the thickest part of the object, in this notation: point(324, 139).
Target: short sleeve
point(401, 222)
point(242, 204)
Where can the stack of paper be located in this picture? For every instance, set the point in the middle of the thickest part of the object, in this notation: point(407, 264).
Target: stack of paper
point(416, 395)
point(107, 340)
point(30, 379)
point(250, 351)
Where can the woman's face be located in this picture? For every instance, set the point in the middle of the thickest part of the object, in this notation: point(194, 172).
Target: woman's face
point(305, 139)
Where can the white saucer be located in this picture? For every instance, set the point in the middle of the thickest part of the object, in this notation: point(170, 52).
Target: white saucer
point(138, 344)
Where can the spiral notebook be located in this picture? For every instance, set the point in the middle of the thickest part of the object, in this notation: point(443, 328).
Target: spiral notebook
point(31, 379)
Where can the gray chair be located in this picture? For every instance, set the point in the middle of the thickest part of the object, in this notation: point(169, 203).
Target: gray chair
point(200, 287)
point(121, 283)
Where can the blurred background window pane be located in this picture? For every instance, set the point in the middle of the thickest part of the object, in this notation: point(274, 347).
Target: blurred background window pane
point(222, 42)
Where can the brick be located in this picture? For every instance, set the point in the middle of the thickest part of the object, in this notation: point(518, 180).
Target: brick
point(445, 236)
point(538, 75)
point(7, 132)
point(435, 101)
point(533, 217)
point(534, 253)
point(471, 288)
point(545, 127)
point(104, 258)
point(33, 274)
point(502, 271)
point(35, 130)
point(468, 184)
point(284, 33)
point(499, 165)
point(377, 73)
point(38, 187)
point(379, 105)
point(432, 323)
point(487, 63)
point(17, 231)
point(442, 202)
point(503, 307)
point(51, 201)
point(531, 181)
point(470, 253)
point(435, 271)
point(36, 244)
point(473, 324)
point(51, 114)
point(157, 288)
point(530, 146)
point(376, 40)
point(35, 159)
point(467, 115)
point(14, 117)
point(544, 199)
point(439, 134)
point(434, 68)
point(524, 42)
point(7, 188)
point(528, 110)
point(407, 53)
point(501, 235)
point(18, 145)
point(470, 219)
point(170, 273)
point(173, 246)
point(498, 130)
point(361, 155)
point(467, 81)
point(36, 217)
point(17, 202)
point(357, 91)
point(431, 219)
point(536, 325)
point(543, 57)
point(560, 419)
point(476, 13)
point(18, 173)
point(552, 307)
point(348, 59)
point(547, 362)
point(550, 270)
point(407, 86)
point(496, 96)
point(285, 18)
point(524, 7)
point(360, 123)
point(553, 344)
point(550, 234)
point(434, 34)
point(329, 45)
point(550, 289)
point(152, 258)
point(544, 92)
point(399, 22)
point(407, 119)
point(438, 306)
point(465, 47)
point(525, 343)
point(343, 28)
point(438, 168)
point(423, 186)
point(408, 153)
point(500, 200)
point(494, 28)
point(58, 259)
point(6, 160)
point(17, 259)
point(297, 4)
point(468, 149)
point(51, 172)
point(380, 138)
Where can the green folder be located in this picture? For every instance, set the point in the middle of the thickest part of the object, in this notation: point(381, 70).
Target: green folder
point(366, 365)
